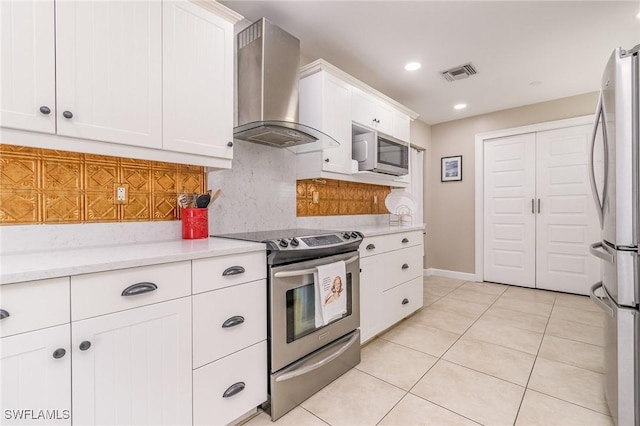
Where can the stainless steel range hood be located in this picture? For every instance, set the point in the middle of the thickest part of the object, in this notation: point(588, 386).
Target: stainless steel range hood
point(268, 75)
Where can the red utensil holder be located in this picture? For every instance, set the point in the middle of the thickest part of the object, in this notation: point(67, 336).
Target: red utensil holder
point(195, 223)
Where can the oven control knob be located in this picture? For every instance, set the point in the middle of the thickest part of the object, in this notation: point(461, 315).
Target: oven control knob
point(284, 243)
point(354, 235)
point(294, 242)
point(346, 235)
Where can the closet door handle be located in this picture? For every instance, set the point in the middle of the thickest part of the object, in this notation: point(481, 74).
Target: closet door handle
point(533, 206)
point(538, 205)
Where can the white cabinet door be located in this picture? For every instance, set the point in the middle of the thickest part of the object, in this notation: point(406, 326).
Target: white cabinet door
point(134, 367)
point(336, 124)
point(109, 71)
point(36, 375)
point(197, 80)
point(363, 108)
point(27, 68)
point(401, 126)
point(567, 220)
point(509, 194)
point(371, 278)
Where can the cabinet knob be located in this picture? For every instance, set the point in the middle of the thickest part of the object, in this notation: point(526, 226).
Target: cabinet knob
point(326, 160)
point(4, 314)
point(59, 353)
point(405, 301)
point(234, 389)
point(45, 110)
point(67, 114)
point(229, 144)
point(371, 247)
point(405, 266)
point(405, 240)
point(85, 345)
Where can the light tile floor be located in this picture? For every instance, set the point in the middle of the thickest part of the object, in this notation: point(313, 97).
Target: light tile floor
point(476, 353)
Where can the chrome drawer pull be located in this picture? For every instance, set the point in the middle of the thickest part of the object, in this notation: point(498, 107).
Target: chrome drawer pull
point(233, 270)
point(139, 288)
point(371, 247)
point(405, 301)
point(405, 266)
point(233, 389)
point(4, 314)
point(405, 240)
point(233, 321)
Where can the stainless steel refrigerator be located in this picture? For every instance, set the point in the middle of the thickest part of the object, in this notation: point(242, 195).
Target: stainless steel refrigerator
point(617, 195)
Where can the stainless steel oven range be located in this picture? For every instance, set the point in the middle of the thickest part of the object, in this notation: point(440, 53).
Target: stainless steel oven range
point(303, 357)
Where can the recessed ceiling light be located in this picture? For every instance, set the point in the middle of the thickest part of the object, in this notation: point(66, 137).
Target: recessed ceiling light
point(412, 66)
point(460, 106)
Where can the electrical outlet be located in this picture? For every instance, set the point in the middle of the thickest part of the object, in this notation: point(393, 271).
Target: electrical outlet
point(315, 197)
point(120, 193)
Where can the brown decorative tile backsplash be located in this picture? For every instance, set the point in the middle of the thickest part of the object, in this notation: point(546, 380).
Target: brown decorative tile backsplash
point(46, 186)
point(334, 197)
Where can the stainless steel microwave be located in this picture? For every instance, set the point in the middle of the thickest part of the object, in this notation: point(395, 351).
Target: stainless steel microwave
point(377, 152)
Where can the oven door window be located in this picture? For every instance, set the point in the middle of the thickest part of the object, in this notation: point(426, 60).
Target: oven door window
point(301, 310)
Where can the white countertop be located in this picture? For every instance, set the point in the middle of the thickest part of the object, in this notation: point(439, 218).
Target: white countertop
point(370, 231)
point(37, 265)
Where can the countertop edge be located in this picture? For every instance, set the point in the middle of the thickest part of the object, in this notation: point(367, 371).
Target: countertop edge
point(372, 231)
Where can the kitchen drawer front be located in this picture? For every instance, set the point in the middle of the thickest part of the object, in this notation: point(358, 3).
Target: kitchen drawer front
point(385, 243)
point(402, 265)
point(33, 305)
point(242, 307)
point(210, 383)
point(224, 271)
point(102, 293)
point(401, 301)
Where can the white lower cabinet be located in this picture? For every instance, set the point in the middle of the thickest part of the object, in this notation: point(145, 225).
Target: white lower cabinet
point(224, 390)
point(35, 368)
point(134, 367)
point(390, 280)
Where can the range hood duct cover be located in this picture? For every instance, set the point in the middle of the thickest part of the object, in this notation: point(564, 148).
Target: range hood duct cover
point(268, 77)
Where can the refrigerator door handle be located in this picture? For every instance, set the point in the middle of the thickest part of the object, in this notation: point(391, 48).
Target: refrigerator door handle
point(599, 250)
point(603, 302)
point(599, 119)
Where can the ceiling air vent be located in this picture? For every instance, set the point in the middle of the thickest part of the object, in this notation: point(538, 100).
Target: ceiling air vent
point(458, 73)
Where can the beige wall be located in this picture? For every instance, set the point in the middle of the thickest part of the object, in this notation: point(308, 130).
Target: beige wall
point(450, 209)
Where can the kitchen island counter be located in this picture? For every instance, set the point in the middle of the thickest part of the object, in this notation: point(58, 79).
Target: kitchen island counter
point(37, 265)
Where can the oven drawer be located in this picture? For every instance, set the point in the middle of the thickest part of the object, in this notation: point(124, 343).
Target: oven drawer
point(401, 266)
point(33, 305)
point(389, 242)
point(227, 320)
point(112, 291)
point(242, 374)
point(401, 301)
point(225, 271)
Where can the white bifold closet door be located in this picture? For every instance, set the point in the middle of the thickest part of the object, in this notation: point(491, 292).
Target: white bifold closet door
point(539, 213)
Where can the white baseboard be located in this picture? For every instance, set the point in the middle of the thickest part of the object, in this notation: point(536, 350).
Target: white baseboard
point(450, 274)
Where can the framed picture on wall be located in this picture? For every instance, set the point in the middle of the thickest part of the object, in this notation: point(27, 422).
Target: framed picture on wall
point(451, 168)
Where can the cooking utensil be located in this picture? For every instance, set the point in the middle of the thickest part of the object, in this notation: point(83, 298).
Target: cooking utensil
point(215, 196)
point(202, 201)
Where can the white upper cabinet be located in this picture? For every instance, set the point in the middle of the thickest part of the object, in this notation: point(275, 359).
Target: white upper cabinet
point(27, 68)
point(198, 80)
point(109, 71)
point(142, 79)
point(324, 105)
point(401, 126)
point(367, 110)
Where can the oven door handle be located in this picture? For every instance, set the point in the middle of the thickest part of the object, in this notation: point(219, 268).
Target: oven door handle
point(295, 273)
point(308, 368)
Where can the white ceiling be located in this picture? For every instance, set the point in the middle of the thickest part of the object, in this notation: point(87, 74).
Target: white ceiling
point(562, 45)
